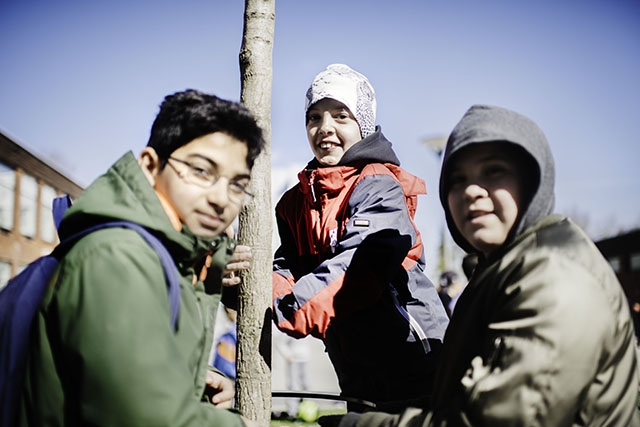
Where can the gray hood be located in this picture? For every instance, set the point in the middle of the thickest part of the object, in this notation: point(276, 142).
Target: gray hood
point(484, 123)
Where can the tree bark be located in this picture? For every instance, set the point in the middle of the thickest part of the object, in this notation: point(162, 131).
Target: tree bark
point(253, 382)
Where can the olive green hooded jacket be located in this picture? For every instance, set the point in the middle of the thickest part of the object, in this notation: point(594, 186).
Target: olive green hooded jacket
point(541, 336)
point(103, 351)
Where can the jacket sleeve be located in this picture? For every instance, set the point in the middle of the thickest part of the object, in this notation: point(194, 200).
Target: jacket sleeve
point(545, 343)
point(285, 260)
point(370, 251)
point(120, 353)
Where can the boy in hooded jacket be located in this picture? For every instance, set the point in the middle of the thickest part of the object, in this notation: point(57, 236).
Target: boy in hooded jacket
point(541, 335)
point(103, 350)
point(350, 268)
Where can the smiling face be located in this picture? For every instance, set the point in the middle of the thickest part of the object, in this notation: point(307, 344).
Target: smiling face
point(331, 130)
point(207, 212)
point(485, 193)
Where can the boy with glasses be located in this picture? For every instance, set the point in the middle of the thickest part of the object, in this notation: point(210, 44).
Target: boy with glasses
point(103, 350)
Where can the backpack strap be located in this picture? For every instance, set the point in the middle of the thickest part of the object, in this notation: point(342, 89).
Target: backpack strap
point(61, 204)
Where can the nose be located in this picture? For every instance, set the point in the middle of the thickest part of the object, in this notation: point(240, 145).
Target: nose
point(474, 191)
point(218, 194)
point(326, 125)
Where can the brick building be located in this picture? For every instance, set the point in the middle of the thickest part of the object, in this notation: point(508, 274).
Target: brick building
point(28, 186)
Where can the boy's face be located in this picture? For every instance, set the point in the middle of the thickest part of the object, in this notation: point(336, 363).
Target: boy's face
point(331, 130)
point(207, 210)
point(485, 192)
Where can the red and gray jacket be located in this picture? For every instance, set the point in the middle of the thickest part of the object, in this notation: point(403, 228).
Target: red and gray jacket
point(350, 270)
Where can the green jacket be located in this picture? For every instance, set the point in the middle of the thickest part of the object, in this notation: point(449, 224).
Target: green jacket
point(103, 351)
point(558, 346)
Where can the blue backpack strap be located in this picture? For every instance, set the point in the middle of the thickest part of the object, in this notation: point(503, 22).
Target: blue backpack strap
point(60, 206)
point(170, 269)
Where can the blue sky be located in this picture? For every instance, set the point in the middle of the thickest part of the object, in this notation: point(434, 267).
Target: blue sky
point(81, 82)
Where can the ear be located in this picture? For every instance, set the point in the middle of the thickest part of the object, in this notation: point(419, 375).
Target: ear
point(150, 164)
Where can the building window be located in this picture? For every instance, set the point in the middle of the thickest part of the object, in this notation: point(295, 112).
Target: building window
point(5, 273)
point(635, 261)
point(7, 196)
point(28, 205)
point(47, 226)
point(615, 263)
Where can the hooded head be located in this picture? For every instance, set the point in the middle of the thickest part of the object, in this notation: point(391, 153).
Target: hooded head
point(343, 84)
point(500, 130)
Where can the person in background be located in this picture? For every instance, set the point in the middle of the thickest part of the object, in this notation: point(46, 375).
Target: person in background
point(350, 267)
point(450, 288)
point(224, 357)
point(223, 353)
point(542, 333)
point(103, 350)
point(635, 316)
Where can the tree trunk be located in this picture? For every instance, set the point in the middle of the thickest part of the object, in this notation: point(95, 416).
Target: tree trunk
point(253, 382)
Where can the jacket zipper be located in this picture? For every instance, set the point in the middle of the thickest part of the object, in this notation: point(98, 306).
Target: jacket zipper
point(415, 327)
point(312, 179)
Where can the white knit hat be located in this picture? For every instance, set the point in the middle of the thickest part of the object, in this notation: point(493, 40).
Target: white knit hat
point(346, 85)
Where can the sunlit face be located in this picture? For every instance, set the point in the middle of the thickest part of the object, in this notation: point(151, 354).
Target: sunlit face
point(207, 212)
point(485, 193)
point(331, 130)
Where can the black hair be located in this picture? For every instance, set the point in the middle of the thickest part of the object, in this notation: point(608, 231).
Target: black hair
point(185, 116)
point(448, 278)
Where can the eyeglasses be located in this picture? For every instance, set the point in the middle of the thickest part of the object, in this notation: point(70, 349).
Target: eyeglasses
point(237, 191)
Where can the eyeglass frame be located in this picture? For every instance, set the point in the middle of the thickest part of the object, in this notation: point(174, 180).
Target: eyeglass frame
point(240, 190)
